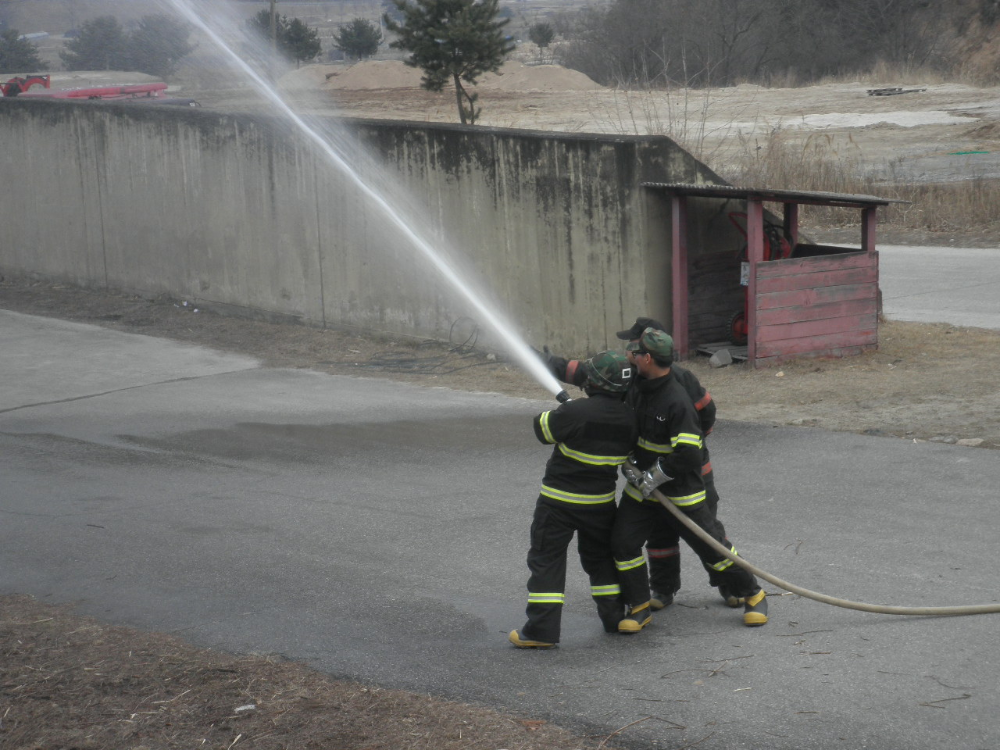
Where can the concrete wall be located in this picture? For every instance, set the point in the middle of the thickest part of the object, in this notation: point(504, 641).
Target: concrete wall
point(241, 212)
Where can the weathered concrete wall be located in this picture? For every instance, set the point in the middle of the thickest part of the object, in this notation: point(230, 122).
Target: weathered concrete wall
point(237, 211)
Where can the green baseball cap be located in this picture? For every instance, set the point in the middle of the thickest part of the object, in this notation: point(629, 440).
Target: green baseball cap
point(657, 343)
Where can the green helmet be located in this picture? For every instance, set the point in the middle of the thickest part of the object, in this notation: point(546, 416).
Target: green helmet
point(608, 371)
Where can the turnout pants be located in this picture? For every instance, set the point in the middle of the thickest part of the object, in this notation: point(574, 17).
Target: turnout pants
point(664, 552)
point(632, 524)
point(552, 531)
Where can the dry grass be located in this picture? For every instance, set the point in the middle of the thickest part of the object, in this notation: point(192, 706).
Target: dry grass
point(72, 682)
point(825, 163)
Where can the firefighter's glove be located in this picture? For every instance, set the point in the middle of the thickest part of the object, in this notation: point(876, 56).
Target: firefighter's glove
point(631, 472)
point(652, 478)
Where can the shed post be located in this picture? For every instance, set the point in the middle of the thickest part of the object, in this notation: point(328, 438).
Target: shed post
point(868, 228)
point(791, 223)
point(755, 255)
point(679, 272)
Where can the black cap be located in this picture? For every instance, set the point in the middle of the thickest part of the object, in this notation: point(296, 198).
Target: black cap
point(640, 325)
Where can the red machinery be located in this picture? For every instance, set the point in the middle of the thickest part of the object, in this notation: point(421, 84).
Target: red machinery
point(151, 93)
point(18, 85)
point(776, 247)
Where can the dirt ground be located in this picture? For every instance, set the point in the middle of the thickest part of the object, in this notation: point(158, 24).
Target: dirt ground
point(72, 682)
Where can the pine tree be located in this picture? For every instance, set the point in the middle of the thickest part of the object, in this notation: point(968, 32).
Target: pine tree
point(158, 44)
point(360, 38)
point(18, 55)
point(101, 45)
point(452, 40)
point(541, 34)
point(300, 43)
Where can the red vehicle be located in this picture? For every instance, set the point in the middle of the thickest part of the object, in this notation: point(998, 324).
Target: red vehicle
point(144, 93)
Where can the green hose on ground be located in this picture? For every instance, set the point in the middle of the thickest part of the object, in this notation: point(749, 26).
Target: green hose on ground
point(974, 609)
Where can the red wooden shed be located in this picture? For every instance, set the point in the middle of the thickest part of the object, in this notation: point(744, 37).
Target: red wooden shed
point(820, 301)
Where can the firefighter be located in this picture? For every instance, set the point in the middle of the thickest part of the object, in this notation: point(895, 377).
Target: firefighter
point(592, 438)
point(668, 457)
point(663, 543)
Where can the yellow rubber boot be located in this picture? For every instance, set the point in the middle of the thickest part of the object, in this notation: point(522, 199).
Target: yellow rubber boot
point(517, 640)
point(638, 618)
point(755, 610)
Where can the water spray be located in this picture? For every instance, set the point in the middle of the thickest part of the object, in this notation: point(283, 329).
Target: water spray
point(515, 345)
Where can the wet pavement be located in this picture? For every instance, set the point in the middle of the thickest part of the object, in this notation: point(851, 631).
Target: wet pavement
point(378, 530)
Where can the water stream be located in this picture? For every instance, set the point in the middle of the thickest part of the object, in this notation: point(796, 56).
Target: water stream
point(336, 156)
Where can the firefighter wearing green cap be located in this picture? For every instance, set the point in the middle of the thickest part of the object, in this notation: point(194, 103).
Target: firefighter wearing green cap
point(668, 458)
point(592, 438)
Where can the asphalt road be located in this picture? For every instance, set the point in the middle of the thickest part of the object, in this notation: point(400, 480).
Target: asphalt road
point(956, 285)
point(378, 531)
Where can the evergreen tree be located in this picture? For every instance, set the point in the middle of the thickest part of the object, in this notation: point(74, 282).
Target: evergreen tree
point(296, 41)
point(360, 38)
point(452, 40)
point(101, 45)
point(158, 44)
point(541, 34)
point(18, 55)
point(300, 43)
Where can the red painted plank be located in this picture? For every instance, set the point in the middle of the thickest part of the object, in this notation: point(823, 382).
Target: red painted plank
point(826, 311)
point(815, 327)
point(813, 280)
point(843, 351)
point(820, 345)
point(802, 297)
point(794, 266)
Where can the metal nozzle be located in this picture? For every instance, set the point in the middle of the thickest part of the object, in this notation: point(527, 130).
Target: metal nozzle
point(562, 397)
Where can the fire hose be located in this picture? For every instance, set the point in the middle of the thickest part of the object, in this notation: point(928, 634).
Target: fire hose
point(975, 609)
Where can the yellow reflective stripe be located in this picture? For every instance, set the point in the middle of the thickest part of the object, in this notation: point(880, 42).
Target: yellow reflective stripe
point(612, 590)
point(543, 421)
point(590, 458)
point(633, 492)
point(724, 564)
point(686, 500)
point(624, 565)
point(688, 438)
point(552, 598)
point(572, 497)
point(655, 447)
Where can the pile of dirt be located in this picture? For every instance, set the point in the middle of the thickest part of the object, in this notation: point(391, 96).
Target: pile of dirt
point(515, 76)
point(373, 74)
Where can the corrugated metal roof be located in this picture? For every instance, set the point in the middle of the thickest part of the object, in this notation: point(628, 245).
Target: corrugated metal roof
point(776, 196)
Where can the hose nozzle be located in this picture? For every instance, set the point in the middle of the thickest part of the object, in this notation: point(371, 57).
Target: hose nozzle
point(562, 397)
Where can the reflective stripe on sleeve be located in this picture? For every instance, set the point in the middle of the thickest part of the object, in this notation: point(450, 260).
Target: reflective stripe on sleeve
point(550, 598)
point(686, 500)
point(573, 497)
point(543, 422)
point(612, 590)
point(655, 447)
point(590, 458)
point(704, 401)
point(688, 438)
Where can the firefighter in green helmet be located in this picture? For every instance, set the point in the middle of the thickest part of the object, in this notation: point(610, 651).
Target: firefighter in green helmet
point(592, 438)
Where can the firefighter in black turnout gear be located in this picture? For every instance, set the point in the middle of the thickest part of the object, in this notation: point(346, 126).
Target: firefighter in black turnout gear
point(663, 542)
point(668, 457)
point(592, 438)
